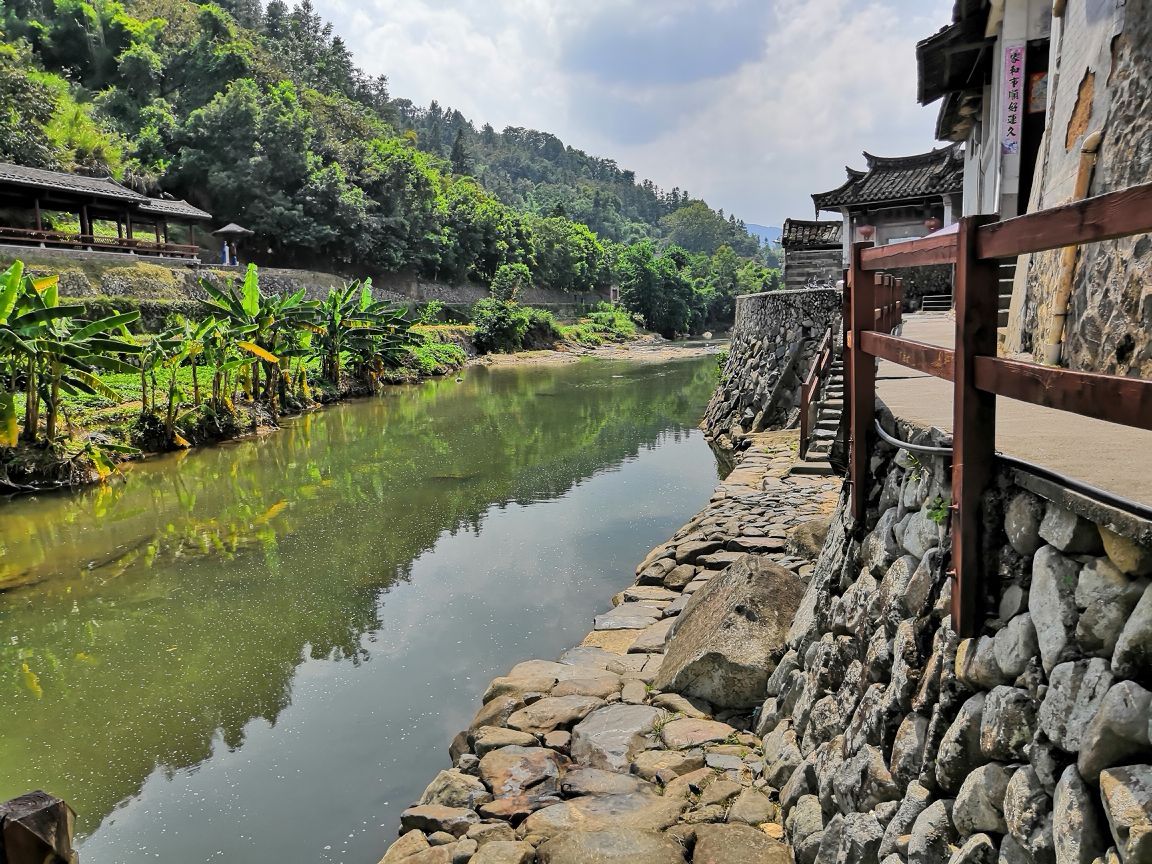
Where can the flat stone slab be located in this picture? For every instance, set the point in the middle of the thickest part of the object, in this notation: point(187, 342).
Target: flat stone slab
point(623, 845)
point(595, 781)
point(653, 639)
point(640, 593)
point(690, 732)
point(628, 616)
point(637, 811)
point(553, 712)
point(738, 844)
point(601, 686)
point(610, 737)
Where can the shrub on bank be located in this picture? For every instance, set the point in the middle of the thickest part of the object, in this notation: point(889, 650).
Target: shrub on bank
point(503, 327)
point(605, 323)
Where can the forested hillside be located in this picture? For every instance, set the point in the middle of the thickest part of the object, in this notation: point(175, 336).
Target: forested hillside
point(259, 115)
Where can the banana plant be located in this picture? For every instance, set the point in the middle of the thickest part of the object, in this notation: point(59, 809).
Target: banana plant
point(260, 325)
point(371, 334)
point(46, 352)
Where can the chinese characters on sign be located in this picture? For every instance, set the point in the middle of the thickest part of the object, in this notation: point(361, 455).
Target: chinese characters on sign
point(1012, 101)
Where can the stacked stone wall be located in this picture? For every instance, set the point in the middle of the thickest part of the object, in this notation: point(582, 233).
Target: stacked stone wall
point(754, 393)
point(892, 740)
point(105, 274)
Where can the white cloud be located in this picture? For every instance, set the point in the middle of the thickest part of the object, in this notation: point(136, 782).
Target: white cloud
point(756, 134)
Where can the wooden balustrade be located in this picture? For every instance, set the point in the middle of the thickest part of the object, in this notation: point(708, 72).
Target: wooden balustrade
point(874, 302)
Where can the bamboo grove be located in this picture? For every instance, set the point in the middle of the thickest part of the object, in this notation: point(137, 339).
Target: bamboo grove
point(247, 346)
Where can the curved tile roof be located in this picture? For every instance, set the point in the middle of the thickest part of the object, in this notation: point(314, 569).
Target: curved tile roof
point(898, 178)
point(38, 178)
point(174, 207)
point(806, 234)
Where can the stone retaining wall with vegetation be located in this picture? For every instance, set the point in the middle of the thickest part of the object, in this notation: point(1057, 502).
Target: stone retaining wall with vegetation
point(771, 328)
point(891, 740)
point(154, 285)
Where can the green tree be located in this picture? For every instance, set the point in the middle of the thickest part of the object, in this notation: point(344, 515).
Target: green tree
point(510, 281)
point(459, 156)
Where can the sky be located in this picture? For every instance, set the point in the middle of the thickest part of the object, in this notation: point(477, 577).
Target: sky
point(752, 105)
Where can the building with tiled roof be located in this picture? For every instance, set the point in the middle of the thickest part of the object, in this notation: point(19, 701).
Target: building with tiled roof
point(809, 234)
point(812, 253)
point(110, 214)
point(897, 197)
point(898, 180)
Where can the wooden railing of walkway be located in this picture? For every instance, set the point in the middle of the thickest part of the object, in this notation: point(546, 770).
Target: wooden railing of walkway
point(95, 243)
point(977, 374)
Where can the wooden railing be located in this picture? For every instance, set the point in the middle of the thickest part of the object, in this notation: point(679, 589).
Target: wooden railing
point(95, 242)
point(978, 375)
point(810, 390)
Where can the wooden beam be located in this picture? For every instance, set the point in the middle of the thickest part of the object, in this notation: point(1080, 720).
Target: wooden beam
point(929, 359)
point(1126, 401)
point(1105, 217)
point(934, 249)
point(973, 425)
point(863, 379)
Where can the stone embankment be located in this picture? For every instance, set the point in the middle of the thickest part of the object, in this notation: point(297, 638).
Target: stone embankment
point(880, 736)
point(891, 740)
point(774, 344)
point(637, 745)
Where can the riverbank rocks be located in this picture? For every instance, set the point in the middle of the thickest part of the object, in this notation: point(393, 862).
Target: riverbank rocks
point(623, 845)
point(610, 737)
point(727, 640)
point(870, 732)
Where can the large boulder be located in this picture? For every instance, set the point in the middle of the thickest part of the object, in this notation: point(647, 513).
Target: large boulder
point(728, 638)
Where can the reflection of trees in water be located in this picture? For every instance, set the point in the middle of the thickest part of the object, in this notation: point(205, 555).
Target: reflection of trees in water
point(176, 607)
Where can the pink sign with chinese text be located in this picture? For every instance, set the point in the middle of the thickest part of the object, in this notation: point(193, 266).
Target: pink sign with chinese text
point(1012, 98)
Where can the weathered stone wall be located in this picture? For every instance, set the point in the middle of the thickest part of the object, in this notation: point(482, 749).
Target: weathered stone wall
point(1103, 81)
point(891, 740)
point(803, 267)
point(105, 274)
point(753, 395)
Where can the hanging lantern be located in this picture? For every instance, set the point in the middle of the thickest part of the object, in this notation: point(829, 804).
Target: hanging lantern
point(867, 231)
point(932, 223)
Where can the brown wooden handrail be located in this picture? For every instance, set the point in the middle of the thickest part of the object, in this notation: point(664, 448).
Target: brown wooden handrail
point(1105, 217)
point(978, 375)
point(933, 249)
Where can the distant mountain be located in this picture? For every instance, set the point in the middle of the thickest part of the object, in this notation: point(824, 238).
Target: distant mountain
point(766, 233)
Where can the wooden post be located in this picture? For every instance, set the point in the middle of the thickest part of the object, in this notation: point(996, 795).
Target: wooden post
point(862, 288)
point(36, 210)
point(974, 424)
point(85, 222)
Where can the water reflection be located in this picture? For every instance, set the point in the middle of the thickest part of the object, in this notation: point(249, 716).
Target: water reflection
point(159, 618)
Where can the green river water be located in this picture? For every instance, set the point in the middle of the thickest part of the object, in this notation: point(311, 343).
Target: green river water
point(260, 652)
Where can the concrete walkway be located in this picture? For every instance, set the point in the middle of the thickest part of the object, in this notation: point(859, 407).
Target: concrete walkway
point(1111, 457)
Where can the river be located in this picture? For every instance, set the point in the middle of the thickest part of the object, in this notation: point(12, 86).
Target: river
point(260, 652)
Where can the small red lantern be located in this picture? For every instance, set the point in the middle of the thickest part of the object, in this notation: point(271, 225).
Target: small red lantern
point(933, 224)
point(866, 231)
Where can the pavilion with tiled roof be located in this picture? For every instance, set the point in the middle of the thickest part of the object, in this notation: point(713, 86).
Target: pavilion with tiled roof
point(897, 198)
point(27, 193)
